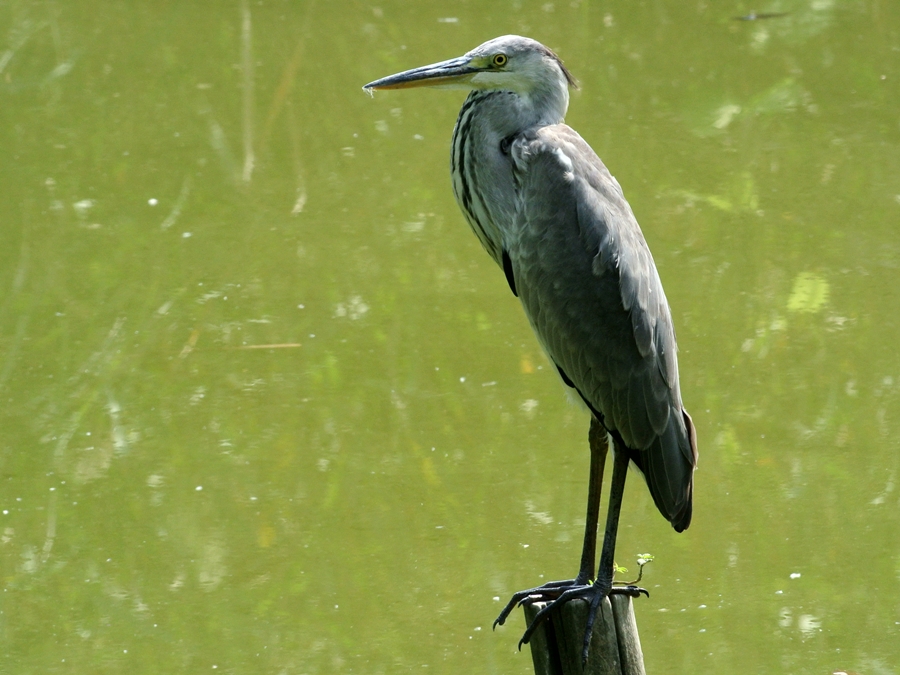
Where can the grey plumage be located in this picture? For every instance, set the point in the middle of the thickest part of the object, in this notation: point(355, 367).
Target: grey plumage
point(590, 288)
point(550, 214)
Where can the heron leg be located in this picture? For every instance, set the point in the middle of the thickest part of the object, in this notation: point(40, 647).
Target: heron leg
point(598, 439)
point(603, 586)
point(599, 444)
point(616, 493)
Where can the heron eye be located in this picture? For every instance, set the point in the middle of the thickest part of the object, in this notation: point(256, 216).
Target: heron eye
point(499, 60)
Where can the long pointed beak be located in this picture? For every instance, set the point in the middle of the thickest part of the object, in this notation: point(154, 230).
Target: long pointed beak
point(452, 73)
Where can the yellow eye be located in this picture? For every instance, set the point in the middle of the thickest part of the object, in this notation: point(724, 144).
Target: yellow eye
point(499, 60)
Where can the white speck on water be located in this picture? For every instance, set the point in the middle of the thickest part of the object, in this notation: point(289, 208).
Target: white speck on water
point(198, 488)
point(779, 592)
point(186, 235)
point(152, 202)
point(795, 575)
point(355, 308)
point(528, 405)
point(82, 207)
point(462, 379)
point(807, 623)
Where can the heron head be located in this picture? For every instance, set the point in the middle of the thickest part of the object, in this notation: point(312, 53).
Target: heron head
point(509, 63)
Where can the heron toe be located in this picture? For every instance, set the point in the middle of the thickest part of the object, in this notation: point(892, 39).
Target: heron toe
point(593, 594)
point(544, 593)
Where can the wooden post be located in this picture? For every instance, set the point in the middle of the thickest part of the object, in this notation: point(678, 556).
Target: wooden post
point(615, 646)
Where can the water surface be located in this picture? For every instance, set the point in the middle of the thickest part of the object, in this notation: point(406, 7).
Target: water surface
point(268, 407)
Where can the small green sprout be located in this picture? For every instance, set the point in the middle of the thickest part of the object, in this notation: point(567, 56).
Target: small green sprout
point(642, 559)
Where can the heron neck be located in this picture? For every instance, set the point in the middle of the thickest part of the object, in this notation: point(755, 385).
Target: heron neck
point(547, 104)
point(518, 111)
point(483, 179)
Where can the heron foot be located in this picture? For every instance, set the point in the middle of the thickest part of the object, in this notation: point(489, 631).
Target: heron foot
point(545, 593)
point(558, 593)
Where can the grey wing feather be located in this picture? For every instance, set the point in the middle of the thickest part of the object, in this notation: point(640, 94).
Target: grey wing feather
point(591, 291)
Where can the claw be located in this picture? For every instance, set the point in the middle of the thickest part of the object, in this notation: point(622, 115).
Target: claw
point(592, 591)
point(549, 591)
point(630, 590)
point(558, 593)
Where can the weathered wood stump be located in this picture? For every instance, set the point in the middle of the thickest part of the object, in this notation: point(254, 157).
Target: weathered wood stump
point(615, 646)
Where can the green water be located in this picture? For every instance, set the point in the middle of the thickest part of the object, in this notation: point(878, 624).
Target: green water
point(267, 407)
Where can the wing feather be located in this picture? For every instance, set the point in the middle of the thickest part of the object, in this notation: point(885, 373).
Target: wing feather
point(590, 289)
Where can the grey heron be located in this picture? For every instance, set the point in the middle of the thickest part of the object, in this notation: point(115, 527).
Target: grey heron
point(553, 218)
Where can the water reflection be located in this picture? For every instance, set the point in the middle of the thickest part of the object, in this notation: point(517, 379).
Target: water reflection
point(754, 16)
point(328, 535)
